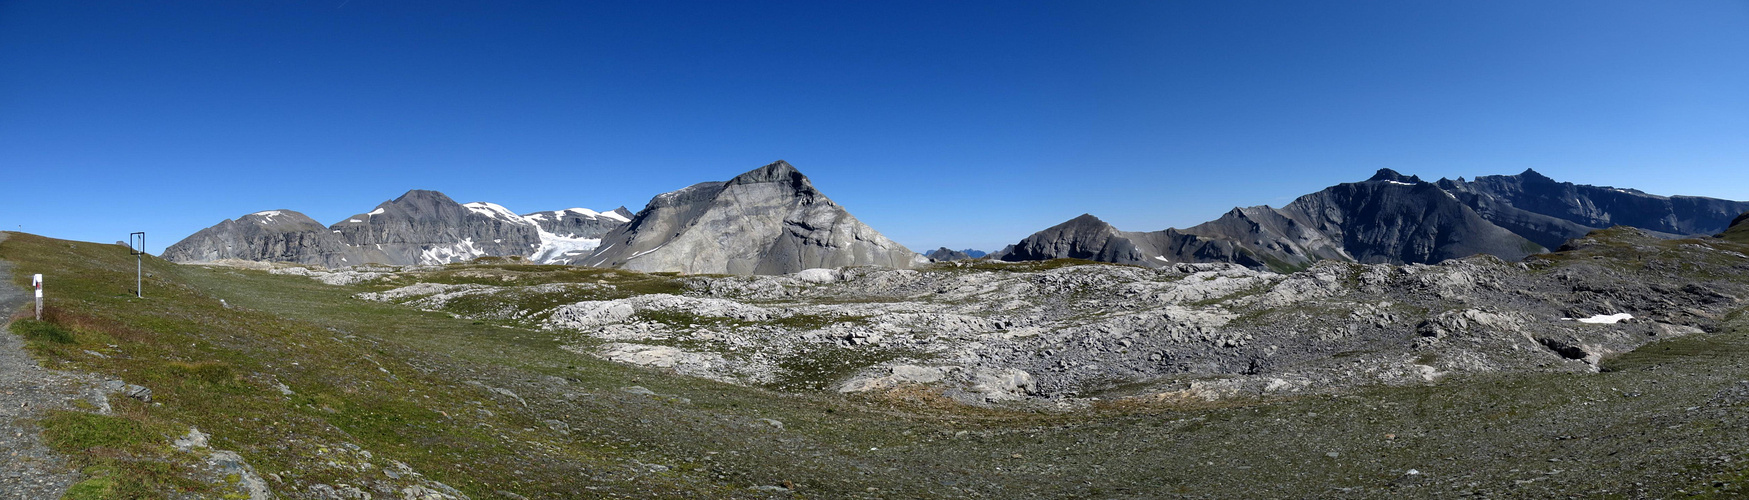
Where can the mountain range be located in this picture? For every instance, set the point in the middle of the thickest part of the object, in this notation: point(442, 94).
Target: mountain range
point(419, 227)
point(771, 220)
point(1390, 218)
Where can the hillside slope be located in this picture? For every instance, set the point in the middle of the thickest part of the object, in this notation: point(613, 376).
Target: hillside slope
point(309, 382)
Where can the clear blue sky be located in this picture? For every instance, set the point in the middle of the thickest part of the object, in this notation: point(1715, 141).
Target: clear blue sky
point(939, 123)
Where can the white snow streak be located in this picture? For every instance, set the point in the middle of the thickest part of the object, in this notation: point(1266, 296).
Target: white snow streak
point(1604, 319)
point(458, 252)
point(495, 211)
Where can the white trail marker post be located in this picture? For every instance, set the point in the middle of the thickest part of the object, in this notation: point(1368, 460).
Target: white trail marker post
point(36, 281)
point(139, 252)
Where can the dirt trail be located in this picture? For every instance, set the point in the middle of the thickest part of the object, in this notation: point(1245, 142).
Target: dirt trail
point(28, 469)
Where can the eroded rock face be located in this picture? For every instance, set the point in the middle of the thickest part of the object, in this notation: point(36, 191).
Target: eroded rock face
point(273, 235)
point(1550, 212)
point(767, 221)
point(426, 227)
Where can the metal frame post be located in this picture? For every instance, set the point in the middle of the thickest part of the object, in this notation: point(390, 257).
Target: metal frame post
point(139, 263)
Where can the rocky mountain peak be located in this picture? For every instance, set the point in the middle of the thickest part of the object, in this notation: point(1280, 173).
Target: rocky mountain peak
point(278, 218)
point(1385, 174)
point(1531, 174)
point(780, 172)
point(1083, 220)
point(769, 220)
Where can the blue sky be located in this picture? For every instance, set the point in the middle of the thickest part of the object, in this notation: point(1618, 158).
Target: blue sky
point(962, 124)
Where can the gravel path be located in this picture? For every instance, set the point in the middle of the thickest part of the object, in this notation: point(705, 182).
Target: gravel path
point(28, 469)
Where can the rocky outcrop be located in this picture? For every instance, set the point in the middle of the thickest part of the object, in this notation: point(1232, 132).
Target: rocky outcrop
point(770, 220)
point(273, 235)
point(1739, 230)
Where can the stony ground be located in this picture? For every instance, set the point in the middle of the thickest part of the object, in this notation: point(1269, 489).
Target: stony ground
point(1055, 334)
point(28, 469)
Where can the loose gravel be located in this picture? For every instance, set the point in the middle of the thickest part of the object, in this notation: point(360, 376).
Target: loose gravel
point(28, 468)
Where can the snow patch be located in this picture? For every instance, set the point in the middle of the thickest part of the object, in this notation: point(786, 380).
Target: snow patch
point(1401, 183)
point(641, 254)
point(459, 252)
point(378, 211)
point(495, 211)
point(556, 249)
point(614, 215)
point(1603, 319)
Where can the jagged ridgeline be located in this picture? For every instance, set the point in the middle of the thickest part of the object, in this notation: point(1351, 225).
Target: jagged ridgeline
point(420, 227)
point(1391, 218)
point(770, 220)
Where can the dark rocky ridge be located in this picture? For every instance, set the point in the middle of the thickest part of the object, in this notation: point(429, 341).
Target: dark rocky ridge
point(1550, 212)
point(1391, 218)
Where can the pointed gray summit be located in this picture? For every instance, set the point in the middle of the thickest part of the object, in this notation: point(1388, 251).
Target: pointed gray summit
point(769, 220)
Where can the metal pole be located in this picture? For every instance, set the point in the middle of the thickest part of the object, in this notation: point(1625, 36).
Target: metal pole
point(139, 263)
point(37, 283)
